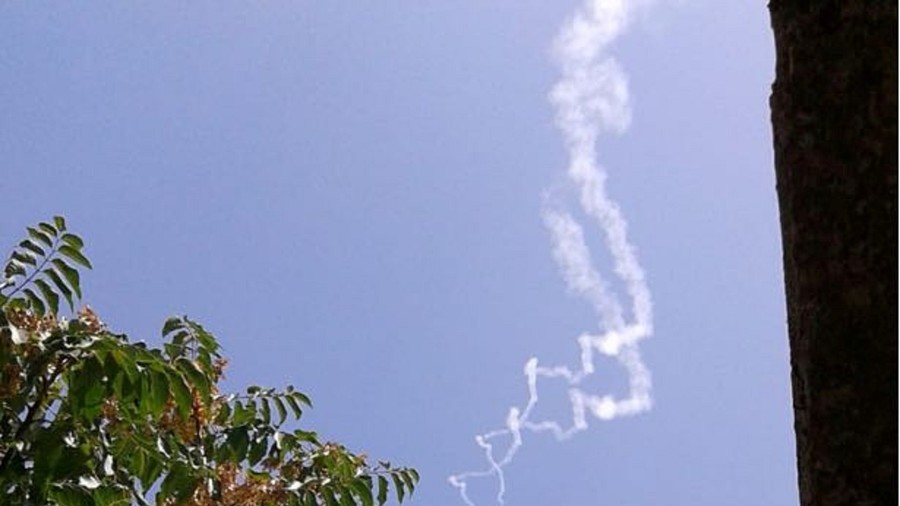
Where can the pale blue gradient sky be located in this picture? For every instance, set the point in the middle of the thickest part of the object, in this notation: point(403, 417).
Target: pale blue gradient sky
point(349, 195)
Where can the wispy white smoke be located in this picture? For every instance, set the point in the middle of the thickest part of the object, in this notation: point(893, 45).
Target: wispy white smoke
point(591, 98)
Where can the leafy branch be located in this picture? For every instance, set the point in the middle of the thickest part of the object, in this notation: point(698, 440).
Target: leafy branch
point(40, 268)
point(128, 420)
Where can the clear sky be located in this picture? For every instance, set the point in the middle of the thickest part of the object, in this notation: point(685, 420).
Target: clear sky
point(350, 195)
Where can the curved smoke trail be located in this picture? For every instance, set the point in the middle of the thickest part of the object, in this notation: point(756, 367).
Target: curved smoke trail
point(590, 98)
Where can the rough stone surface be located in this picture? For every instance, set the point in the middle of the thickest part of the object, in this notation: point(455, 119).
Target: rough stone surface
point(834, 118)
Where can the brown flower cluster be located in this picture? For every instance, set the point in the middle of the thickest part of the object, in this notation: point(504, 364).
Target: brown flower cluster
point(28, 321)
point(219, 366)
point(110, 410)
point(90, 320)
point(235, 488)
point(172, 421)
point(10, 380)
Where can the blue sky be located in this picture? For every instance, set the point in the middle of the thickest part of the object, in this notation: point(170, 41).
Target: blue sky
point(350, 195)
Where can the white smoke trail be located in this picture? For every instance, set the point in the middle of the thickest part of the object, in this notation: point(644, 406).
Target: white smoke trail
point(590, 98)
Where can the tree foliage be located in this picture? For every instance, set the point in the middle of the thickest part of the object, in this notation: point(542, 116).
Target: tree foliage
point(89, 417)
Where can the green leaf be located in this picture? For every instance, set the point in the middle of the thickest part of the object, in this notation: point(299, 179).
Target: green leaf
point(347, 498)
point(70, 496)
point(36, 303)
point(48, 228)
point(179, 482)
point(126, 390)
point(60, 222)
point(285, 442)
point(24, 257)
point(73, 241)
point(382, 490)
point(173, 350)
point(362, 490)
point(47, 447)
point(70, 274)
point(405, 476)
point(33, 247)
point(302, 398)
point(282, 410)
point(328, 495)
point(204, 338)
point(153, 469)
point(307, 436)
point(257, 451)
point(14, 268)
point(86, 393)
point(171, 324)
point(309, 499)
point(295, 406)
point(180, 337)
point(195, 375)
point(49, 295)
point(125, 358)
point(241, 414)
point(40, 236)
point(207, 341)
point(111, 496)
point(398, 486)
point(159, 392)
point(181, 393)
point(75, 256)
point(224, 413)
point(67, 293)
point(204, 362)
point(238, 441)
point(266, 412)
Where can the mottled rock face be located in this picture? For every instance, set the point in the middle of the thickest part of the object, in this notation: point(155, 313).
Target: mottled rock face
point(834, 118)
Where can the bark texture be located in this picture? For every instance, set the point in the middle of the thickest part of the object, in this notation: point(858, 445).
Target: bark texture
point(834, 118)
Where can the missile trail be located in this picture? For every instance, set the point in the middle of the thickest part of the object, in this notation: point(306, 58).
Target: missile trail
point(590, 99)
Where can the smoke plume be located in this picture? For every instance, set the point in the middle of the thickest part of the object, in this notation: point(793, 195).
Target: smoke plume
point(590, 99)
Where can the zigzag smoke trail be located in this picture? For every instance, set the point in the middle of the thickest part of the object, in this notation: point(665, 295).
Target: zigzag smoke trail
point(590, 98)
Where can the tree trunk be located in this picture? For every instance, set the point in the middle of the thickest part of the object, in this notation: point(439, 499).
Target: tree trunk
point(834, 118)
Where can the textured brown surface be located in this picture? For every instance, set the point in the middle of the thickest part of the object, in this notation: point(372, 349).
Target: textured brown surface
point(834, 118)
